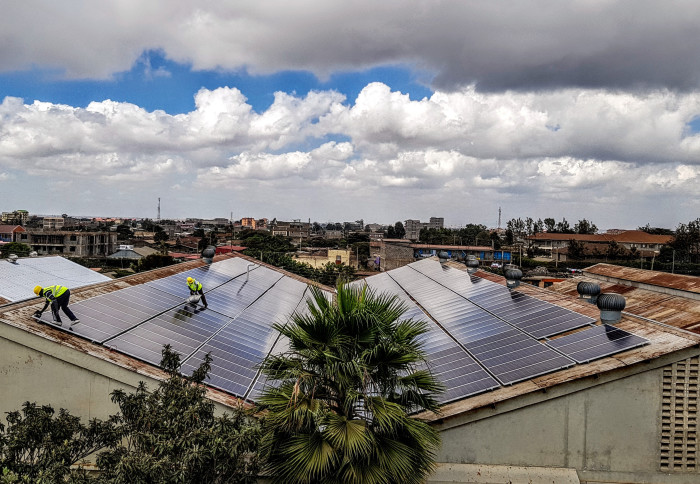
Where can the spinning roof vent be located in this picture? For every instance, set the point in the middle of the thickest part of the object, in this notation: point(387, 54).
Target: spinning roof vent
point(588, 291)
point(12, 258)
point(208, 254)
point(611, 306)
point(33, 254)
point(443, 255)
point(472, 264)
point(512, 275)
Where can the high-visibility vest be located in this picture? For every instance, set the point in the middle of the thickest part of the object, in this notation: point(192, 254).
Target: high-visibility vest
point(52, 292)
point(195, 286)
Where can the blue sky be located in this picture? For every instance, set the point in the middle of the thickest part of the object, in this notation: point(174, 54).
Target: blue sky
point(154, 82)
point(336, 111)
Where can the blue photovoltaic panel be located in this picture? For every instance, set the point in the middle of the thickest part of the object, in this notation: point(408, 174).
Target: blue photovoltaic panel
point(461, 375)
point(536, 317)
point(211, 276)
point(240, 346)
point(183, 329)
point(105, 316)
point(596, 342)
point(233, 297)
point(506, 352)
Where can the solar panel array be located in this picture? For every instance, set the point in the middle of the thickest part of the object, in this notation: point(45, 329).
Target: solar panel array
point(450, 363)
point(596, 342)
point(481, 335)
point(17, 280)
point(508, 353)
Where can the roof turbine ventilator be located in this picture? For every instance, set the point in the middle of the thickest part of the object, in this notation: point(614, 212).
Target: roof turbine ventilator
point(611, 306)
point(588, 291)
point(512, 275)
point(443, 255)
point(12, 258)
point(208, 254)
point(472, 264)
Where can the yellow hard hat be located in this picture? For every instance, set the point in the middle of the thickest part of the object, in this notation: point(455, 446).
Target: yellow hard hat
point(189, 280)
point(37, 290)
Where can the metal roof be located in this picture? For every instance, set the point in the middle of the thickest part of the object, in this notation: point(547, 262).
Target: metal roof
point(17, 280)
point(643, 276)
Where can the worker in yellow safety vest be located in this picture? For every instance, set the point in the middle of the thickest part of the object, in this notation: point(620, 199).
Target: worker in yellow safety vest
point(57, 296)
point(196, 288)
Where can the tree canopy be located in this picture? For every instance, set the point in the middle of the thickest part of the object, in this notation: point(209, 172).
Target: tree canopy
point(340, 413)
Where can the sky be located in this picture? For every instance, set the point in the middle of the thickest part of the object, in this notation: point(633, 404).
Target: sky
point(338, 111)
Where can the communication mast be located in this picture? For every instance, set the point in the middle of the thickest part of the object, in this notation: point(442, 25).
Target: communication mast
point(499, 217)
point(159, 211)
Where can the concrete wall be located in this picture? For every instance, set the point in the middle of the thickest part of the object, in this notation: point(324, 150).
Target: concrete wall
point(609, 432)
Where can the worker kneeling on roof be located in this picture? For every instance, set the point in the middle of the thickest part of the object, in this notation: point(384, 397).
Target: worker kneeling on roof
point(196, 288)
point(57, 296)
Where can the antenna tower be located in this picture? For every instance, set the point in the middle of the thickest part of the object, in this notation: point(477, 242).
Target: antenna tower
point(499, 217)
point(159, 210)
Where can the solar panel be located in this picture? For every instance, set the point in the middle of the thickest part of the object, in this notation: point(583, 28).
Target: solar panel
point(240, 346)
point(449, 363)
point(534, 316)
point(184, 330)
point(17, 281)
point(596, 342)
point(234, 296)
point(505, 351)
point(103, 317)
point(211, 276)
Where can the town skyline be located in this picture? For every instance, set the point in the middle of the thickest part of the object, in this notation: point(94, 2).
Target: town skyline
point(334, 110)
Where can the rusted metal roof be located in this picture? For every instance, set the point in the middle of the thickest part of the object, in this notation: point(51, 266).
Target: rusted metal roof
point(627, 236)
point(670, 309)
point(643, 276)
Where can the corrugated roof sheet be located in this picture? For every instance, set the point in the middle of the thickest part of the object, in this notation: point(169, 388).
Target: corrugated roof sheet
point(643, 276)
point(628, 236)
point(17, 280)
point(669, 309)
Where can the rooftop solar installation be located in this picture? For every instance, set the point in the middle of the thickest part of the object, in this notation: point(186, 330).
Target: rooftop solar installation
point(596, 342)
point(481, 335)
point(239, 347)
point(534, 316)
point(17, 280)
point(449, 363)
point(506, 352)
point(103, 317)
point(184, 329)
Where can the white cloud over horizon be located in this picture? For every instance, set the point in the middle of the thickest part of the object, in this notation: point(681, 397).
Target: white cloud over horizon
point(456, 153)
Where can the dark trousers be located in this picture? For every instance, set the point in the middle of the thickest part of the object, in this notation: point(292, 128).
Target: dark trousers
point(201, 293)
point(62, 303)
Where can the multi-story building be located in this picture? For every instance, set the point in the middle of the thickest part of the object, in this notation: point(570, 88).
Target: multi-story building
point(249, 223)
point(413, 227)
point(17, 217)
point(53, 223)
point(79, 244)
point(296, 230)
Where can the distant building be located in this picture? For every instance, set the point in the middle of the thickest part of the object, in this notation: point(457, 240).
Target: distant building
point(395, 253)
point(17, 217)
point(321, 257)
point(413, 227)
point(53, 223)
point(79, 244)
point(296, 229)
point(249, 223)
point(556, 244)
point(12, 233)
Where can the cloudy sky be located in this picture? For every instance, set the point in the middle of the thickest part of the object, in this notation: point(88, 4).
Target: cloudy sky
point(335, 111)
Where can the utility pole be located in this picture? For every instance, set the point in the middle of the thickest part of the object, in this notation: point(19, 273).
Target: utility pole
point(159, 209)
point(499, 218)
point(673, 262)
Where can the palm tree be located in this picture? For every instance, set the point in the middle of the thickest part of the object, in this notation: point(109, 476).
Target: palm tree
point(340, 409)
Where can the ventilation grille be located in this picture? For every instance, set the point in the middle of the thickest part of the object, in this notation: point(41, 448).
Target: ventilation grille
point(679, 417)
